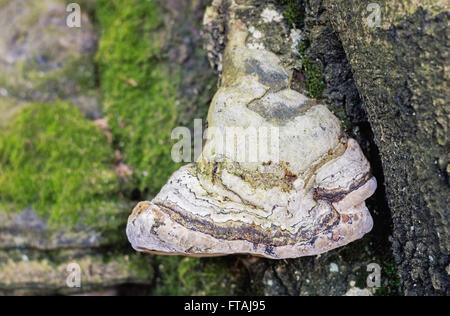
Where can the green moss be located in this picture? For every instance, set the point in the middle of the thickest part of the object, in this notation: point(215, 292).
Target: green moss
point(314, 81)
point(139, 91)
point(199, 277)
point(391, 283)
point(53, 159)
point(136, 264)
point(314, 78)
point(294, 12)
point(315, 84)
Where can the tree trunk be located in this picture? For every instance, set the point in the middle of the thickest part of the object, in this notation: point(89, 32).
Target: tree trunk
point(400, 71)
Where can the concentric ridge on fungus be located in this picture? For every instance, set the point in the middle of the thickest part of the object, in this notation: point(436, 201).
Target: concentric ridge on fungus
point(308, 202)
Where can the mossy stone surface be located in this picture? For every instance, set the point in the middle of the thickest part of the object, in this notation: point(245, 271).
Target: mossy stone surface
point(47, 274)
point(200, 277)
point(59, 163)
point(42, 59)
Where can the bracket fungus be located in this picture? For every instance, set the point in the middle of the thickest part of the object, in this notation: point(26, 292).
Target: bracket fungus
point(306, 197)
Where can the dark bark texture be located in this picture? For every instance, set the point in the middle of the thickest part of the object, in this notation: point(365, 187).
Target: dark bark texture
point(400, 68)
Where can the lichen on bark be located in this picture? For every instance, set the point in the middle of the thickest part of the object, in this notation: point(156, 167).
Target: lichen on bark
point(399, 68)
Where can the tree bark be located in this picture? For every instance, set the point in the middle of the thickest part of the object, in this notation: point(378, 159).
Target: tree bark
point(400, 72)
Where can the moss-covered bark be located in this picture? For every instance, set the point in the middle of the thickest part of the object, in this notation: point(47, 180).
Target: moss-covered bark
point(153, 79)
point(400, 71)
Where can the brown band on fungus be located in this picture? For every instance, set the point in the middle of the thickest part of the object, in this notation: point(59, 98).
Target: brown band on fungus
point(337, 195)
point(274, 237)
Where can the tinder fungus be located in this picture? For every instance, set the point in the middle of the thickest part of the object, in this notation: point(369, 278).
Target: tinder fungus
point(302, 195)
